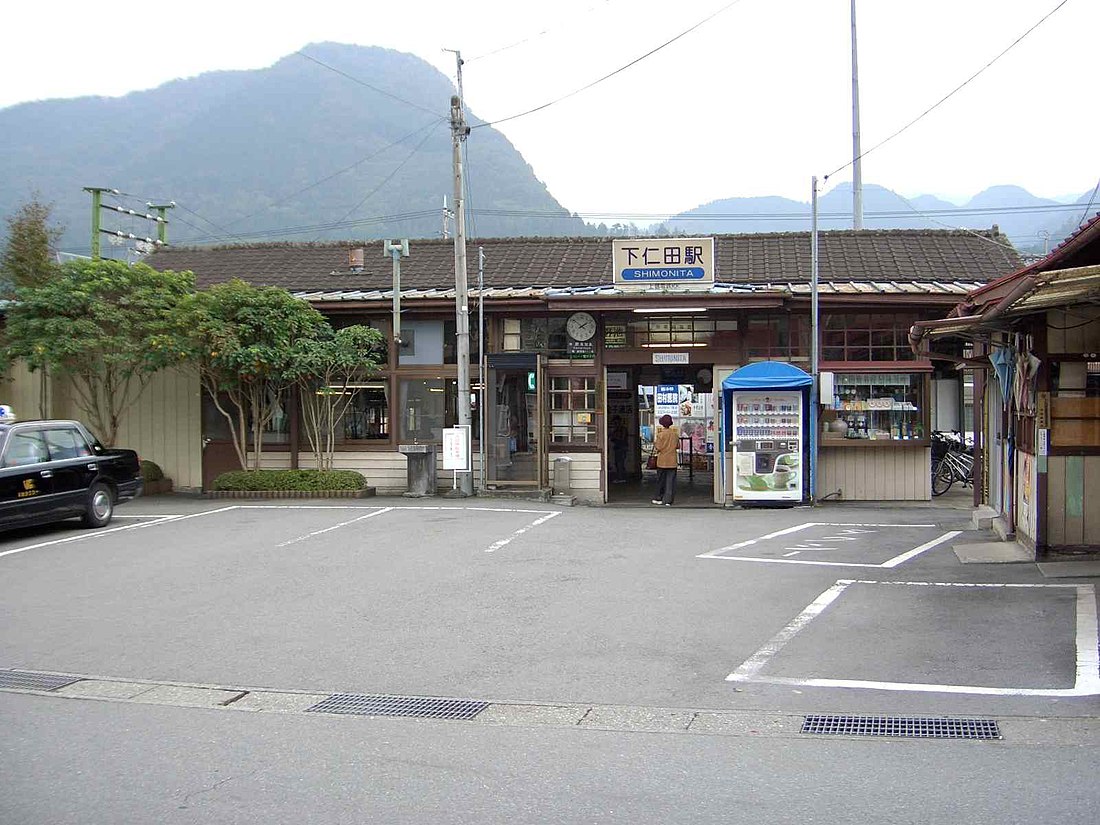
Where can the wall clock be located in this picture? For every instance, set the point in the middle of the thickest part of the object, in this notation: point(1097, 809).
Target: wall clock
point(581, 326)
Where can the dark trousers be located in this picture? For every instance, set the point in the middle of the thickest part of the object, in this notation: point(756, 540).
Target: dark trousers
point(666, 484)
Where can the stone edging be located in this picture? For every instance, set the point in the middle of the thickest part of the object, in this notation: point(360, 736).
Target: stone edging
point(366, 492)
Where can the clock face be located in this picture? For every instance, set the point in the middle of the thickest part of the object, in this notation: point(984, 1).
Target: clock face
point(581, 326)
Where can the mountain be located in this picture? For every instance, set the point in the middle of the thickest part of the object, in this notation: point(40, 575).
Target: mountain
point(246, 153)
point(1023, 217)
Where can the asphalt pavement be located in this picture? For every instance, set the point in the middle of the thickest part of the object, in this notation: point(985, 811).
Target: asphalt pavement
point(690, 643)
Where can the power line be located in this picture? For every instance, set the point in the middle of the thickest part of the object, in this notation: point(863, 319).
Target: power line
point(617, 71)
point(985, 238)
point(527, 39)
point(1085, 214)
point(950, 94)
point(355, 79)
point(388, 177)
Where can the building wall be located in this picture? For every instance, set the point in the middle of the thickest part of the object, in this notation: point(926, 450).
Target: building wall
point(164, 426)
point(1071, 482)
point(22, 391)
point(875, 473)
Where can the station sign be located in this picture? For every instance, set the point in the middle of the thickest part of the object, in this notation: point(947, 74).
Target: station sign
point(662, 261)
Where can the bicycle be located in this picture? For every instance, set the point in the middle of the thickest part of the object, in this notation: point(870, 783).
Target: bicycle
point(950, 463)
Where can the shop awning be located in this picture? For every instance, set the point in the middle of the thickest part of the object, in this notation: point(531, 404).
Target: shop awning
point(767, 375)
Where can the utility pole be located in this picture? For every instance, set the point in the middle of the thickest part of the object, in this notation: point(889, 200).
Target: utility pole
point(815, 390)
point(162, 223)
point(459, 132)
point(97, 204)
point(143, 244)
point(396, 250)
point(857, 162)
point(446, 220)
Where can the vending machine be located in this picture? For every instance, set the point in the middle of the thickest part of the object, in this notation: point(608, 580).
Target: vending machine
point(766, 445)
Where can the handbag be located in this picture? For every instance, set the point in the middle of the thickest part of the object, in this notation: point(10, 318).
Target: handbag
point(651, 462)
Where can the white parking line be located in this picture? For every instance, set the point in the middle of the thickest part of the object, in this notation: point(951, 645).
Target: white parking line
point(100, 533)
point(497, 545)
point(1087, 670)
point(335, 527)
point(916, 551)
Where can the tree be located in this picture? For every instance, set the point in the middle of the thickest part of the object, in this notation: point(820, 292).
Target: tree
point(105, 325)
point(243, 339)
point(27, 259)
point(326, 370)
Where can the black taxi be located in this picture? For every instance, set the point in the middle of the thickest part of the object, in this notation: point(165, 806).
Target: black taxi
point(53, 470)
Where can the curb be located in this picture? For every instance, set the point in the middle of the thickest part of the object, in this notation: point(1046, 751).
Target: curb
point(366, 492)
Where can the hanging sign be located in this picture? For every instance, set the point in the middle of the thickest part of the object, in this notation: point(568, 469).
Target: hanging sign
point(667, 401)
point(641, 261)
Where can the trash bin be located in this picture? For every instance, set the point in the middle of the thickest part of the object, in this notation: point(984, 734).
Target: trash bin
point(562, 485)
point(421, 469)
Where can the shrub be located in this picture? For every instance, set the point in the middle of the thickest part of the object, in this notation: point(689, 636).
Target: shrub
point(151, 471)
point(309, 480)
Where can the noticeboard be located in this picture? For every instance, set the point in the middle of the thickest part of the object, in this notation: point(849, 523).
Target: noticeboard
point(456, 448)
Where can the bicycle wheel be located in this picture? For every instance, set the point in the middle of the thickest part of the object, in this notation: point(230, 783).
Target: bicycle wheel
point(942, 477)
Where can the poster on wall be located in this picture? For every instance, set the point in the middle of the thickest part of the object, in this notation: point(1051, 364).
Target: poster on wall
point(667, 401)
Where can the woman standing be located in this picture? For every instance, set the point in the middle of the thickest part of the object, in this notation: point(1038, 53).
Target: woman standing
point(666, 446)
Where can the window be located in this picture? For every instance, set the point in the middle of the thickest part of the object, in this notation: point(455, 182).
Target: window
point(669, 331)
point(66, 442)
point(428, 405)
point(867, 337)
point(877, 406)
point(779, 337)
point(573, 410)
point(25, 448)
point(368, 416)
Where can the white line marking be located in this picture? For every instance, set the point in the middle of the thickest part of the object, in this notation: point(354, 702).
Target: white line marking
point(1087, 680)
point(99, 533)
point(497, 545)
point(795, 553)
point(714, 554)
point(150, 515)
point(794, 561)
point(334, 527)
point(916, 551)
point(376, 506)
point(756, 662)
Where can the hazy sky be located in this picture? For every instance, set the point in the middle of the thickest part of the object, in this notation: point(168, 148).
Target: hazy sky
point(754, 102)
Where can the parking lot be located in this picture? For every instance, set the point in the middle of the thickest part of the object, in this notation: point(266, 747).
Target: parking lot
point(790, 609)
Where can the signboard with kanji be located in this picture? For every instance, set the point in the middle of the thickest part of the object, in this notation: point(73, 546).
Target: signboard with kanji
point(642, 261)
point(456, 448)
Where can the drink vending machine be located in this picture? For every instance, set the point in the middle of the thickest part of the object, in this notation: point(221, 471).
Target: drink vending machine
point(766, 442)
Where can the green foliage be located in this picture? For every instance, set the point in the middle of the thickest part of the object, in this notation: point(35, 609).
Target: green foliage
point(327, 370)
point(26, 260)
point(307, 480)
point(151, 471)
point(244, 340)
point(105, 325)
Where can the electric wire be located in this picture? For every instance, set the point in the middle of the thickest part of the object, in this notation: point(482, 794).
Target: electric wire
point(608, 76)
point(985, 238)
point(355, 79)
point(950, 94)
point(529, 38)
point(388, 177)
point(1092, 199)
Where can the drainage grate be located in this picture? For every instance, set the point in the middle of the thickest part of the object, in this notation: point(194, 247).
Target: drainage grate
point(34, 681)
point(913, 726)
point(375, 704)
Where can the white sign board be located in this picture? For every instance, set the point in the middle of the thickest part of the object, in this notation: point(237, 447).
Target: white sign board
point(456, 448)
point(670, 358)
point(643, 261)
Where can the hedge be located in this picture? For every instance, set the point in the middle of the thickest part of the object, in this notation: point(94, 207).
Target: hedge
point(255, 480)
point(151, 471)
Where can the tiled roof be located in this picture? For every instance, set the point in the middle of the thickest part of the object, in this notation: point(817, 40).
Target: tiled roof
point(899, 257)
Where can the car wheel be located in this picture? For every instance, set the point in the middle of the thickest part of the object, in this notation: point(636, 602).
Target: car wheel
point(99, 507)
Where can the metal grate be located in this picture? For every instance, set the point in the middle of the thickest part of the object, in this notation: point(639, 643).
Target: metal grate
point(21, 679)
point(912, 726)
point(375, 704)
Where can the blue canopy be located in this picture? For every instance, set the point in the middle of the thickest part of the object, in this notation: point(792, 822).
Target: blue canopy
point(768, 375)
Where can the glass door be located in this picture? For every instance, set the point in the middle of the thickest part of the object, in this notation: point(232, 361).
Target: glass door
point(515, 438)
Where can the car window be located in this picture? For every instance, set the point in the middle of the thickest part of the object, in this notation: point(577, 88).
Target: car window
point(65, 442)
point(25, 448)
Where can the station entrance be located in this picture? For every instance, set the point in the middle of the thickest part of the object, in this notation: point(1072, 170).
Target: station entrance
point(637, 397)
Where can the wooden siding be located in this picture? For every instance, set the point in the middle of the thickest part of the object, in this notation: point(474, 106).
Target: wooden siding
point(1071, 482)
point(584, 474)
point(875, 473)
point(165, 426)
point(1066, 334)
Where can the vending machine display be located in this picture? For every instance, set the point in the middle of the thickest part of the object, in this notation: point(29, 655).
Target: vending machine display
point(766, 446)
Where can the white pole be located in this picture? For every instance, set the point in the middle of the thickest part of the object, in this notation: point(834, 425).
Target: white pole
point(459, 131)
point(482, 373)
point(857, 163)
point(814, 366)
